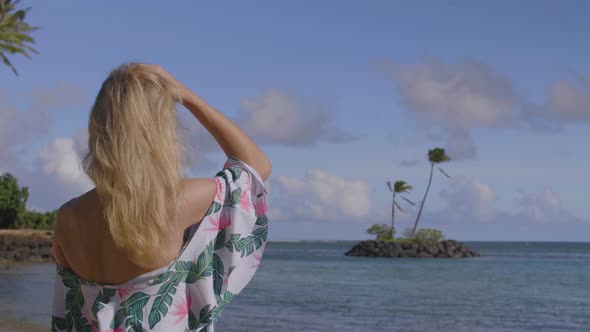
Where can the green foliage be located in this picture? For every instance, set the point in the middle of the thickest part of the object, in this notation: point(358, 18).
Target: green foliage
point(401, 187)
point(13, 212)
point(438, 155)
point(13, 200)
point(383, 232)
point(37, 220)
point(427, 235)
point(14, 32)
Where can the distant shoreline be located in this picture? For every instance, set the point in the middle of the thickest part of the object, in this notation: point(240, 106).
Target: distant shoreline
point(35, 246)
point(25, 246)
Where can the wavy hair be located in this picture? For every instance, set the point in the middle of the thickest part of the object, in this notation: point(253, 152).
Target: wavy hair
point(134, 159)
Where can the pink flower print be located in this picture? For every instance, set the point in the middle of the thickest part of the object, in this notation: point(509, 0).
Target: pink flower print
point(258, 258)
point(219, 190)
point(123, 292)
point(115, 330)
point(226, 164)
point(246, 201)
point(220, 223)
point(260, 207)
point(182, 308)
point(225, 278)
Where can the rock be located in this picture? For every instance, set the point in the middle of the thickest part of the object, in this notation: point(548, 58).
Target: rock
point(412, 252)
point(424, 254)
point(371, 248)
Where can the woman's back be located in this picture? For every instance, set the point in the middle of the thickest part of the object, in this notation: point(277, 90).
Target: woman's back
point(217, 258)
point(90, 250)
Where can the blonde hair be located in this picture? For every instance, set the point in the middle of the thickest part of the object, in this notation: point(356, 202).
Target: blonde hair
point(134, 159)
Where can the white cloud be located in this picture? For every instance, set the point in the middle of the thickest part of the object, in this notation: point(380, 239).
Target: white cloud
point(469, 198)
point(321, 195)
point(565, 102)
point(60, 159)
point(543, 207)
point(455, 99)
point(278, 118)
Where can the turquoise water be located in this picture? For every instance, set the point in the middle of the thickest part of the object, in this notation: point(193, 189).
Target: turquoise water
point(312, 286)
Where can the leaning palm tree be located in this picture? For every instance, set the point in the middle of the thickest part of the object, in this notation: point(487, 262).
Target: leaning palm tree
point(399, 187)
point(435, 156)
point(14, 32)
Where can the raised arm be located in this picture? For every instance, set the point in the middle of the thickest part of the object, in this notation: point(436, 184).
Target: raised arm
point(233, 141)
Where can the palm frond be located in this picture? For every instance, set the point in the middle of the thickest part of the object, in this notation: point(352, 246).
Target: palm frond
point(401, 187)
point(389, 186)
point(14, 32)
point(442, 171)
point(8, 63)
point(438, 155)
point(407, 200)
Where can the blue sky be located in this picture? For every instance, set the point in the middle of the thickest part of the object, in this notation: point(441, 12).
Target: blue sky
point(354, 91)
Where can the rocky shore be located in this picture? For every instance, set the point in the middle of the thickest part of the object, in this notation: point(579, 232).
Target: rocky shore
point(442, 249)
point(25, 246)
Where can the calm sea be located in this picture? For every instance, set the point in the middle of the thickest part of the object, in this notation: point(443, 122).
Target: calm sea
point(312, 286)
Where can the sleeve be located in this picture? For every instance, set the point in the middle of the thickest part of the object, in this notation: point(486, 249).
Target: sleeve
point(242, 228)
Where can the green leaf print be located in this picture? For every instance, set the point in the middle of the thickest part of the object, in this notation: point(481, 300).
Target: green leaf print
point(132, 311)
point(103, 298)
point(74, 303)
point(262, 221)
point(236, 172)
point(135, 302)
point(223, 175)
point(233, 242)
point(118, 318)
point(193, 323)
point(247, 245)
point(134, 322)
point(163, 301)
point(220, 240)
point(57, 324)
point(213, 208)
point(205, 315)
point(236, 197)
point(218, 272)
point(69, 321)
point(222, 301)
point(192, 272)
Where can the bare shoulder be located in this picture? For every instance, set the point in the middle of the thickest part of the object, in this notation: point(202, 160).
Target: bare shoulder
point(197, 194)
point(63, 217)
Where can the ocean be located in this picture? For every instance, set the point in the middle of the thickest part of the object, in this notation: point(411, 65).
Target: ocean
point(312, 286)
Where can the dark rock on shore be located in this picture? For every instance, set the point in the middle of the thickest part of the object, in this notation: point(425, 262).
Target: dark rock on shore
point(25, 246)
point(442, 249)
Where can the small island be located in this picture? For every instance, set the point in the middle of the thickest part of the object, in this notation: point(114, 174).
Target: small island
point(412, 249)
point(416, 243)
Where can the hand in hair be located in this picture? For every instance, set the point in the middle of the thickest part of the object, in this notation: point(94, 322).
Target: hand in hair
point(178, 87)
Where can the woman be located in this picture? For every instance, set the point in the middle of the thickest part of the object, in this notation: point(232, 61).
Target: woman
point(147, 250)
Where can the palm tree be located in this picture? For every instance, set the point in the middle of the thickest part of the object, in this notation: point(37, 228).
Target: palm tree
point(399, 187)
point(14, 32)
point(435, 156)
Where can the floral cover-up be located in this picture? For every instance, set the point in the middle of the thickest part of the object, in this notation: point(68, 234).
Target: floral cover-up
point(219, 258)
